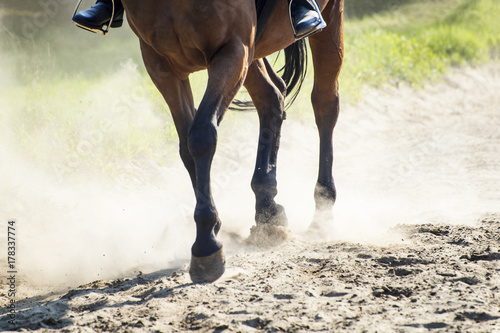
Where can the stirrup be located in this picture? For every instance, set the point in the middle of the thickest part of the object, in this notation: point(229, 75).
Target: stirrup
point(320, 26)
point(102, 30)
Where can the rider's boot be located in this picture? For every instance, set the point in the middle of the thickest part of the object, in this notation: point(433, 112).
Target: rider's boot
point(97, 19)
point(306, 18)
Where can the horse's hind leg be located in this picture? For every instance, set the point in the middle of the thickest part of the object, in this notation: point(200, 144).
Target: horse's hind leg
point(267, 91)
point(327, 51)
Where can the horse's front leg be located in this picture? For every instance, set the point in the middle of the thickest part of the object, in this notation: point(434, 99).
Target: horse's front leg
point(177, 93)
point(226, 72)
point(267, 90)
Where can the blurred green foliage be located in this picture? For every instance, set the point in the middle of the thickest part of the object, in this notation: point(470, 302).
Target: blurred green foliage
point(393, 40)
point(24, 17)
point(361, 8)
point(39, 40)
point(418, 42)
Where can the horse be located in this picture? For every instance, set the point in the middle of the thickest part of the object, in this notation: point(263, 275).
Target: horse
point(179, 37)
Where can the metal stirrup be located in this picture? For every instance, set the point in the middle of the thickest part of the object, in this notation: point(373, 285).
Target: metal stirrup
point(322, 23)
point(102, 31)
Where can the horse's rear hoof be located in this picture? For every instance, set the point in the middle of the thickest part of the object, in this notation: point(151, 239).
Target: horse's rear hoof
point(321, 228)
point(207, 269)
point(274, 215)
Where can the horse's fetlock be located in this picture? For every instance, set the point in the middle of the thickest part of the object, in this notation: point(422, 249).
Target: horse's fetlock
point(325, 195)
point(206, 217)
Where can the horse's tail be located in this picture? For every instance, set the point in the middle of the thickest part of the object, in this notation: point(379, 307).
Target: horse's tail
point(293, 73)
point(295, 69)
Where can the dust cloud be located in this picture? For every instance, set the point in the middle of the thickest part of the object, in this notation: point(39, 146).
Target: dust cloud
point(402, 156)
point(426, 156)
point(75, 224)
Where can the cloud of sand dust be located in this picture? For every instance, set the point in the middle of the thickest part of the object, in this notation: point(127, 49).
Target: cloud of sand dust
point(404, 157)
point(75, 226)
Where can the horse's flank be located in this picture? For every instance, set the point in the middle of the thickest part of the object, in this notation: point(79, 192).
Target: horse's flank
point(190, 32)
point(193, 30)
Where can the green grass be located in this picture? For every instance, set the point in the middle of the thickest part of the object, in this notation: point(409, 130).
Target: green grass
point(418, 42)
point(74, 127)
point(75, 106)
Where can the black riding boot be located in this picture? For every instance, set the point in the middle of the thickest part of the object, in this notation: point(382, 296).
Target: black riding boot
point(306, 18)
point(97, 19)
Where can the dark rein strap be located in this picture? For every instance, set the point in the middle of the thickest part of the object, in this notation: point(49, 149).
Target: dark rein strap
point(264, 10)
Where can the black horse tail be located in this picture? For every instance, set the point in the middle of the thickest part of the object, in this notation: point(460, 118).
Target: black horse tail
point(293, 73)
point(295, 69)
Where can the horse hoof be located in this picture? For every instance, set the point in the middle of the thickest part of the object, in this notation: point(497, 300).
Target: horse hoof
point(207, 269)
point(321, 229)
point(280, 218)
point(274, 215)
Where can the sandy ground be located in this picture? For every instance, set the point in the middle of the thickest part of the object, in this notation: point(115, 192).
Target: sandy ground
point(440, 278)
point(432, 271)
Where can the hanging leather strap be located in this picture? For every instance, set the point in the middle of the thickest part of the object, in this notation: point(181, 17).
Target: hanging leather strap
point(264, 10)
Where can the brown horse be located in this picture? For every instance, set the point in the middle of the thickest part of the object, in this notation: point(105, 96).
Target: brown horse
point(179, 37)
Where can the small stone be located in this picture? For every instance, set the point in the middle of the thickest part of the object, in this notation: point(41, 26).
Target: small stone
point(334, 294)
point(378, 292)
point(284, 296)
point(50, 322)
point(257, 323)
